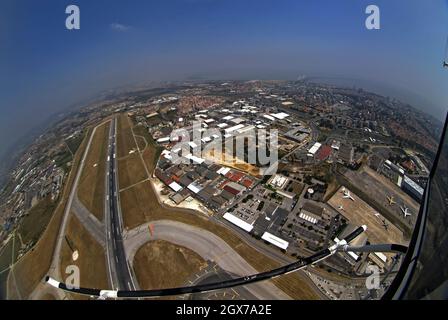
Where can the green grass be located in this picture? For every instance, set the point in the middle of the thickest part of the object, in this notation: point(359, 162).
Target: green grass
point(74, 143)
point(37, 220)
point(6, 257)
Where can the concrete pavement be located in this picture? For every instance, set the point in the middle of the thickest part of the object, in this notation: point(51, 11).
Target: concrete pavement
point(206, 244)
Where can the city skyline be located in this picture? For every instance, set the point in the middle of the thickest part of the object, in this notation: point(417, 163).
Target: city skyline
point(49, 68)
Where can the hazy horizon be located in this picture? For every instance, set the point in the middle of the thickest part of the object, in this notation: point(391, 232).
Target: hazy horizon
point(48, 68)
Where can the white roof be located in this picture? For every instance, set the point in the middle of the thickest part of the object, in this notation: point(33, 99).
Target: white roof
point(269, 117)
point(223, 170)
point(175, 186)
point(167, 154)
point(314, 148)
point(308, 218)
point(192, 144)
point(279, 180)
point(237, 120)
point(228, 118)
point(194, 158)
point(238, 222)
point(209, 120)
point(176, 150)
point(164, 139)
point(276, 241)
point(280, 115)
point(194, 187)
point(222, 125)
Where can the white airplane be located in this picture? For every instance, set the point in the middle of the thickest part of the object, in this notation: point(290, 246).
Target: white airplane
point(377, 214)
point(347, 195)
point(391, 200)
point(405, 211)
point(341, 208)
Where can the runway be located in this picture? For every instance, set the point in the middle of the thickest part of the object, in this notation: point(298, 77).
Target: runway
point(119, 272)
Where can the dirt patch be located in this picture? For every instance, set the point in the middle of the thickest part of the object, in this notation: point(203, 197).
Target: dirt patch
point(91, 261)
point(161, 264)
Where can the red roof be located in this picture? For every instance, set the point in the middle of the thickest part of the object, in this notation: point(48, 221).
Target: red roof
point(231, 190)
point(247, 183)
point(234, 176)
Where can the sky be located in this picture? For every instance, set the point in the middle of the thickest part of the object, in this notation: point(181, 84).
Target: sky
point(44, 67)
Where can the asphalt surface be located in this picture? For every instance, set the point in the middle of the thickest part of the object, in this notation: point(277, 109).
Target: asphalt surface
point(246, 280)
point(89, 221)
point(119, 272)
point(209, 246)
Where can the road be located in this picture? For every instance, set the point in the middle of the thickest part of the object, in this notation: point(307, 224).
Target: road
point(207, 245)
point(120, 275)
point(54, 269)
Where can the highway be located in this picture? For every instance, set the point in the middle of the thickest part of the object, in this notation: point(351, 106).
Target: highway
point(120, 275)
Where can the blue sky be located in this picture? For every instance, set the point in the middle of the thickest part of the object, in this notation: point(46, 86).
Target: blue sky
point(45, 67)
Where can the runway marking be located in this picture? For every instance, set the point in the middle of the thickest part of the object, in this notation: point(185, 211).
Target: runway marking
point(128, 187)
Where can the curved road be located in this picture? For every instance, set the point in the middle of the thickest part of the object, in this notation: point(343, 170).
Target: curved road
point(206, 244)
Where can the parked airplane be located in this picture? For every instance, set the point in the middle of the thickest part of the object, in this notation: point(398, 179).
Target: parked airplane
point(391, 200)
point(405, 211)
point(341, 208)
point(347, 195)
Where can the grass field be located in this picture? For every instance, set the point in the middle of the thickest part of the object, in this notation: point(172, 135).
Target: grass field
point(140, 142)
point(48, 296)
point(92, 182)
point(36, 221)
point(152, 151)
point(140, 204)
point(161, 264)
point(130, 171)
point(125, 139)
point(34, 265)
point(91, 261)
point(8, 255)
